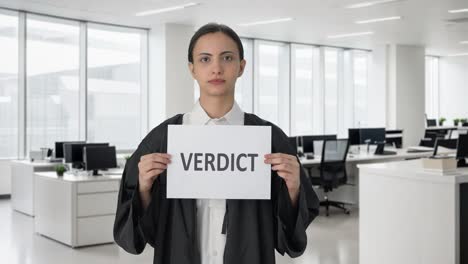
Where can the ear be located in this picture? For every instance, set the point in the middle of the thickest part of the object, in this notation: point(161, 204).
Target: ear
point(191, 69)
point(242, 67)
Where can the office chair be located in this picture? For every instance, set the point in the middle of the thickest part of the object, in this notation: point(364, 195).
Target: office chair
point(446, 143)
point(430, 139)
point(332, 171)
point(431, 122)
point(465, 124)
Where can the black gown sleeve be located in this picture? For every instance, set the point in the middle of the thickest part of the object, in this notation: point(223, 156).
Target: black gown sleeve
point(292, 222)
point(133, 226)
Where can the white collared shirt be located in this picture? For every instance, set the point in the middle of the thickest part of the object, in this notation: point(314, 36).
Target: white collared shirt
point(210, 212)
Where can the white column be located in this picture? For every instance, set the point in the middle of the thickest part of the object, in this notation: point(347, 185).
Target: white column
point(406, 93)
point(170, 83)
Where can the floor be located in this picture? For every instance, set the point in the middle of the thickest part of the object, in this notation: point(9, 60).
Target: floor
point(332, 240)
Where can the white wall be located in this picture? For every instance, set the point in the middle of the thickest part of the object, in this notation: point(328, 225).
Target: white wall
point(5, 177)
point(453, 89)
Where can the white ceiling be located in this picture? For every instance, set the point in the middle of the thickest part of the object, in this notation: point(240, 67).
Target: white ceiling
point(424, 21)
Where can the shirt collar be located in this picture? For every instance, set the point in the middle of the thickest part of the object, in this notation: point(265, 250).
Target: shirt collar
point(235, 116)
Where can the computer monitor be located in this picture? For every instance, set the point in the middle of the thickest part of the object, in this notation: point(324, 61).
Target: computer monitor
point(354, 136)
point(431, 122)
point(73, 152)
point(462, 150)
point(99, 158)
point(59, 147)
point(308, 141)
point(372, 135)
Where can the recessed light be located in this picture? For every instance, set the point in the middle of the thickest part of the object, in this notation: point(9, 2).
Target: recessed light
point(464, 42)
point(264, 22)
point(163, 10)
point(371, 3)
point(378, 20)
point(351, 35)
point(457, 55)
point(458, 11)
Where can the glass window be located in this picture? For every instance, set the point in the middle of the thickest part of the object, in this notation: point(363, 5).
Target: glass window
point(272, 83)
point(8, 85)
point(331, 91)
point(52, 90)
point(114, 85)
point(302, 89)
point(360, 80)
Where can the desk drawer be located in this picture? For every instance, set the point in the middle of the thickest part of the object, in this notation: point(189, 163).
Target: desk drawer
point(95, 230)
point(96, 204)
point(102, 186)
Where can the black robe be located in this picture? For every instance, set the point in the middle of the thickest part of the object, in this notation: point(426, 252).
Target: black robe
point(253, 228)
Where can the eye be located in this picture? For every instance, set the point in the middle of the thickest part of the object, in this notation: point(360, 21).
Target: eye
point(204, 59)
point(228, 58)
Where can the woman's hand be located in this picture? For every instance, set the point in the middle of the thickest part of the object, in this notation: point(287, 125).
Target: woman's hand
point(287, 168)
point(149, 168)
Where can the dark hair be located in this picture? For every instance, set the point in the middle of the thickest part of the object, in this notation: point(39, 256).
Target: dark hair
point(213, 28)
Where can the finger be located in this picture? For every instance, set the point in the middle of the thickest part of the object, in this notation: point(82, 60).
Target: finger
point(279, 161)
point(282, 167)
point(284, 175)
point(280, 155)
point(154, 155)
point(154, 165)
point(152, 174)
point(160, 159)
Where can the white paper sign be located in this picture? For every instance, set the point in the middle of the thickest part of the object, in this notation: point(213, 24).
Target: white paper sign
point(218, 162)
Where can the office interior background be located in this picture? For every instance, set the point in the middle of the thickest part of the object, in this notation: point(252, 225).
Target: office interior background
point(103, 71)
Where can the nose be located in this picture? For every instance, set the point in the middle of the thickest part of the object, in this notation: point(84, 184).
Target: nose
point(217, 68)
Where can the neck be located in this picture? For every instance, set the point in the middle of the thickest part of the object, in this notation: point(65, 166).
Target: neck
point(217, 106)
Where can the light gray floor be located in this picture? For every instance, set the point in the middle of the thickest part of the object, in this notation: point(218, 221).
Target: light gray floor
point(331, 240)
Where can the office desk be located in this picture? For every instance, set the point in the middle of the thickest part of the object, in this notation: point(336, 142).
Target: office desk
point(350, 193)
point(363, 156)
point(22, 183)
point(76, 210)
point(409, 215)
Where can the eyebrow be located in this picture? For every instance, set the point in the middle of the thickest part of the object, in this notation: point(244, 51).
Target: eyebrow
point(209, 54)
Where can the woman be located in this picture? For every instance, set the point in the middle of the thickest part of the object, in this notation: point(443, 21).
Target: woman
point(188, 231)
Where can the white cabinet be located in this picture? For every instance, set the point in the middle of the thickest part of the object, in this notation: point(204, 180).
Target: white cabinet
point(76, 210)
point(22, 183)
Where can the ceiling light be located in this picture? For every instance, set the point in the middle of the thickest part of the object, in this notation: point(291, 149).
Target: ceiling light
point(464, 42)
point(351, 35)
point(266, 22)
point(378, 20)
point(458, 11)
point(457, 55)
point(371, 3)
point(163, 10)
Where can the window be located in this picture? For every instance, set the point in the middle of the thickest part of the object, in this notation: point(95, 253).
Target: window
point(8, 85)
point(331, 90)
point(303, 90)
point(244, 84)
point(272, 83)
point(432, 87)
point(360, 74)
point(115, 85)
point(52, 90)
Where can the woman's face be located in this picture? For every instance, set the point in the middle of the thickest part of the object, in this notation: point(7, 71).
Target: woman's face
point(216, 64)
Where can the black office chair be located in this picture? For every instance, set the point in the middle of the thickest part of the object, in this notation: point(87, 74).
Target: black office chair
point(332, 171)
point(430, 139)
point(446, 143)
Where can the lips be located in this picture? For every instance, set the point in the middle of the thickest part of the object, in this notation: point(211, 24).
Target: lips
point(217, 81)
